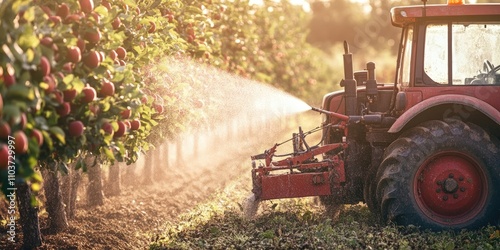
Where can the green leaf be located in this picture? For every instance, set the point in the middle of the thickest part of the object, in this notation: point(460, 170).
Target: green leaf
point(47, 140)
point(11, 113)
point(58, 133)
point(68, 79)
point(30, 55)
point(108, 153)
point(194, 10)
point(101, 10)
point(28, 39)
point(20, 91)
point(77, 84)
point(105, 106)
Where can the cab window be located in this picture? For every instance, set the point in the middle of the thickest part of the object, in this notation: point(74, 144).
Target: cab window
point(462, 54)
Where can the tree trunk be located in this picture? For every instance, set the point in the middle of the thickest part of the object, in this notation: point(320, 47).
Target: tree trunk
point(95, 195)
point(29, 217)
point(128, 176)
point(148, 167)
point(114, 180)
point(178, 145)
point(55, 206)
point(157, 165)
point(165, 154)
point(66, 190)
point(75, 183)
point(69, 190)
point(71, 182)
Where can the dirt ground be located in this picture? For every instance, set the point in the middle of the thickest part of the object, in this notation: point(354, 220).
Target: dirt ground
point(130, 220)
point(133, 219)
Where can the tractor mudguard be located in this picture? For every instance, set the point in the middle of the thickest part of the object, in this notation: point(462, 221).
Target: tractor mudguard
point(421, 107)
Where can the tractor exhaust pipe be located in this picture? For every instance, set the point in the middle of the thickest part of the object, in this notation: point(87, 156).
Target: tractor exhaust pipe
point(349, 83)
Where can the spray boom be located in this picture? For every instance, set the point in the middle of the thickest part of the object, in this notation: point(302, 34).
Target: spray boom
point(333, 114)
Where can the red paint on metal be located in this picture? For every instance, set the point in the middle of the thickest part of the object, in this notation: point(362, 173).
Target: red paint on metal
point(295, 185)
point(405, 15)
point(293, 178)
point(308, 155)
point(450, 188)
point(434, 99)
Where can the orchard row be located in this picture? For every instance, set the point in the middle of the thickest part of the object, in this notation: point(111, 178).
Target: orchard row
point(81, 77)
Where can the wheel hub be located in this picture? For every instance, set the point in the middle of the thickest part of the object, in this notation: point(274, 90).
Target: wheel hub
point(450, 187)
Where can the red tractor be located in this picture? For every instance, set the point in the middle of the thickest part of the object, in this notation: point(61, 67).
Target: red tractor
point(424, 150)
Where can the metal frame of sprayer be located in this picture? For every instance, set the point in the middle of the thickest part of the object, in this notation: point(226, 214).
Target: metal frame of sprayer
point(301, 174)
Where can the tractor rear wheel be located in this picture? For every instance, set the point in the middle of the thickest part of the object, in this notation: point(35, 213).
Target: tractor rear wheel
point(441, 175)
point(370, 185)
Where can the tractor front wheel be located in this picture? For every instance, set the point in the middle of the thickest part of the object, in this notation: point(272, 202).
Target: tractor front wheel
point(441, 175)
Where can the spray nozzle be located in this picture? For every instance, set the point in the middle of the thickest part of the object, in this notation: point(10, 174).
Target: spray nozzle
point(330, 113)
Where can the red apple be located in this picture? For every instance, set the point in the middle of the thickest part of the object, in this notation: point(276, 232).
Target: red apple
point(55, 19)
point(37, 134)
point(198, 104)
point(102, 56)
point(94, 109)
point(51, 82)
point(159, 108)
point(122, 52)
point(152, 27)
point(107, 88)
point(108, 128)
point(126, 113)
point(58, 97)
point(113, 55)
point(64, 109)
point(81, 44)
point(106, 4)
point(47, 10)
point(68, 67)
point(62, 10)
point(47, 41)
point(69, 95)
point(170, 18)
point(93, 36)
point(4, 156)
point(20, 142)
point(127, 125)
point(121, 129)
point(75, 128)
point(91, 60)
point(96, 17)
point(74, 18)
point(74, 54)
point(135, 124)
point(23, 121)
point(86, 6)
point(116, 23)
point(9, 77)
point(89, 94)
point(4, 130)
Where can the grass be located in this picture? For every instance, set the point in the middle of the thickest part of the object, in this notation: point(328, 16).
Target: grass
point(303, 224)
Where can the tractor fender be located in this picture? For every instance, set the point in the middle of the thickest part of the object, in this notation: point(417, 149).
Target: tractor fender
point(422, 106)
